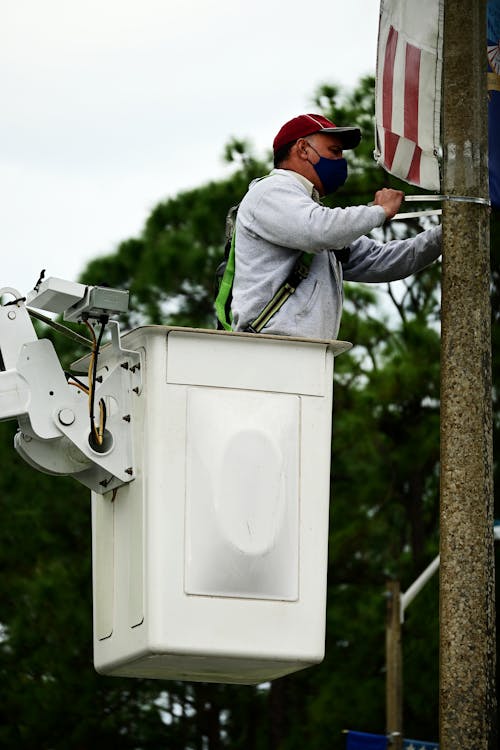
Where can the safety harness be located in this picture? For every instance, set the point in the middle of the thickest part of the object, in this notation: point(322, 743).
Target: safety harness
point(225, 278)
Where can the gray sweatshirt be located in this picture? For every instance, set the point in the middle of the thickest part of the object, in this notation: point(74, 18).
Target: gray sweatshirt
point(280, 217)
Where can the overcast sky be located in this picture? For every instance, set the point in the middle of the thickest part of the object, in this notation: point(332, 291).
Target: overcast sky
point(110, 106)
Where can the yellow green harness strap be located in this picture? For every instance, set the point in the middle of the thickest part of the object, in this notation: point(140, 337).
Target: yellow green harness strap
point(225, 293)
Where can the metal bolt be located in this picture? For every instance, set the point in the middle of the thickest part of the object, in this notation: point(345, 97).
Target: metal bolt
point(66, 417)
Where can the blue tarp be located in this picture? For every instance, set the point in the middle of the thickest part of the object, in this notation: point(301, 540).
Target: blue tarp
point(366, 741)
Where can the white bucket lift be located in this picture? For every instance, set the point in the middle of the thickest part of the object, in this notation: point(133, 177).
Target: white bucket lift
point(210, 528)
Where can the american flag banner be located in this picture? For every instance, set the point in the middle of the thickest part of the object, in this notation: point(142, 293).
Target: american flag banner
point(408, 90)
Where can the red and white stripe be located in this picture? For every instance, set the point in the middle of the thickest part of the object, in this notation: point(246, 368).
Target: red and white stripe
point(408, 90)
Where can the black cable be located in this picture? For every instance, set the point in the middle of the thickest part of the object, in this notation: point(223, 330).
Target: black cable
point(40, 279)
point(104, 414)
point(70, 376)
point(15, 301)
point(92, 384)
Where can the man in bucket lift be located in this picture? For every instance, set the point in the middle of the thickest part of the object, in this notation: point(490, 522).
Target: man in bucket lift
point(284, 236)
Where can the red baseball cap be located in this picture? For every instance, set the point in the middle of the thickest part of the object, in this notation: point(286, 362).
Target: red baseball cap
point(304, 125)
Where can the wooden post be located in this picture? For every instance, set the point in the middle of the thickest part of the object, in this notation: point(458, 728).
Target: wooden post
point(394, 667)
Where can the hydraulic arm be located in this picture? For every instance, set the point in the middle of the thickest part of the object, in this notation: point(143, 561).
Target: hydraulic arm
point(69, 424)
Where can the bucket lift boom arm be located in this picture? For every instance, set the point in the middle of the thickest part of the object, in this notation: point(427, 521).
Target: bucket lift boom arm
point(52, 410)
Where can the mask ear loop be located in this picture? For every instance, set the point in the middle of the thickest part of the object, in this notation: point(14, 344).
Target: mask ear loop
point(315, 151)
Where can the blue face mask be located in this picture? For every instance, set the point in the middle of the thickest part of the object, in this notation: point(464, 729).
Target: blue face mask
point(331, 172)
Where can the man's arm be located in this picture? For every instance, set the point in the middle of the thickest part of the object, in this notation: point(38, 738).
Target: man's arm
point(279, 211)
point(372, 261)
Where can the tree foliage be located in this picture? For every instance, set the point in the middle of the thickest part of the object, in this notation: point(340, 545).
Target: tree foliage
point(170, 268)
point(384, 511)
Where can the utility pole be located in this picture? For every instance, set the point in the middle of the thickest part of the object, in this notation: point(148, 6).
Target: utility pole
point(467, 608)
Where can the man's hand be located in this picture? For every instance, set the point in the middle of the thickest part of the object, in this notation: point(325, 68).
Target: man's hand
point(390, 200)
